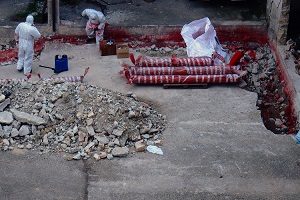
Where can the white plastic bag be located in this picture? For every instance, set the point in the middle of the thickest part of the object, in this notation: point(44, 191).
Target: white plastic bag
point(201, 40)
point(155, 150)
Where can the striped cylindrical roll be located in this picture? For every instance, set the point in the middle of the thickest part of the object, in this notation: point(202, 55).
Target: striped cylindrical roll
point(178, 79)
point(205, 70)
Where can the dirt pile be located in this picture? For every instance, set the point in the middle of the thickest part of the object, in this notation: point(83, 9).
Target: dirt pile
point(82, 120)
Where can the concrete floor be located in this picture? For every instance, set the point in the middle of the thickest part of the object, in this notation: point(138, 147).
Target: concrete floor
point(215, 147)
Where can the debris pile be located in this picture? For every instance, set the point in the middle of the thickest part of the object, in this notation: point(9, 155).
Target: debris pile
point(263, 78)
point(154, 51)
point(82, 120)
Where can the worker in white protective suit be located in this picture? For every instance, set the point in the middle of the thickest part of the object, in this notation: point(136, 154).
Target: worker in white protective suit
point(25, 34)
point(95, 25)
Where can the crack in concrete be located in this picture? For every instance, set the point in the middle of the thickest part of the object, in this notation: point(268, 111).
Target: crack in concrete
point(86, 172)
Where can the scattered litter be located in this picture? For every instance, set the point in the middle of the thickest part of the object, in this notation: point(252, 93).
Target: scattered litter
point(155, 150)
point(297, 137)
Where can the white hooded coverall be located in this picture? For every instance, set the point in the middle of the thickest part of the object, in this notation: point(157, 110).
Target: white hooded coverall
point(95, 25)
point(26, 33)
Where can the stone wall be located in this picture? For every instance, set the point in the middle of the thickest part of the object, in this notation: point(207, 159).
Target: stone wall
point(278, 19)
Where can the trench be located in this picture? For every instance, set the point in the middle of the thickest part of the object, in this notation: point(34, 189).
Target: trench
point(274, 97)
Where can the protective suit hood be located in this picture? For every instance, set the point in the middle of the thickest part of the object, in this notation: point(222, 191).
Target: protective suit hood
point(29, 19)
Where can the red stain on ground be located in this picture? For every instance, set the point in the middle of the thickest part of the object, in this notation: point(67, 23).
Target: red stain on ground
point(289, 91)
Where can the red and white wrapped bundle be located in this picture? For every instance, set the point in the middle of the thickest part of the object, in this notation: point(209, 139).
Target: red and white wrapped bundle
point(7, 81)
point(178, 79)
point(173, 61)
point(65, 79)
point(193, 61)
point(206, 70)
point(143, 61)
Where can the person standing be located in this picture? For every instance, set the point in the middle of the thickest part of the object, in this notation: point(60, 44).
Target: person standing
point(95, 25)
point(25, 34)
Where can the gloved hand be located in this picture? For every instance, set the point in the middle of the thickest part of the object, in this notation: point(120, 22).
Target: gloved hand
point(101, 26)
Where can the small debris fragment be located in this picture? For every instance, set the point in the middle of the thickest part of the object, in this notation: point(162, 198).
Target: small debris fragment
point(154, 150)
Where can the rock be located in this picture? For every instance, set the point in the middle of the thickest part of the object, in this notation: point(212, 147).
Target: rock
point(21, 146)
point(129, 93)
point(6, 118)
point(16, 124)
point(77, 156)
point(7, 130)
point(90, 145)
point(58, 116)
point(153, 131)
point(242, 84)
point(64, 146)
point(150, 143)
point(123, 139)
point(145, 130)
point(147, 113)
point(91, 114)
point(131, 114)
point(111, 144)
point(14, 132)
point(120, 151)
point(102, 139)
point(278, 123)
point(81, 136)
point(146, 136)
point(97, 156)
point(110, 156)
point(158, 142)
point(115, 125)
point(89, 122)
point(117, 132)
point(5, 142)
point(33, 130)
point(29, 146)
point(4, 104)
point(117, 142)
point(139, 146)
point(2, 98)
point(280, 100)
point(134, 135)
point(90, 130)
point(27, 118)
point(45, 139)
point(24, 130)
point(25, 85)
point(103, 154)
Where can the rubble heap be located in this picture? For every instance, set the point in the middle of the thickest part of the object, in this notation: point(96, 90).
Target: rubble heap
point(81, 120)
point(263, 78)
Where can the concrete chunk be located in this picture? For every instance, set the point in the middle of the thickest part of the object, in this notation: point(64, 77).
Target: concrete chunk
point(6, 118)
point(120, 151)
point(27, 118)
